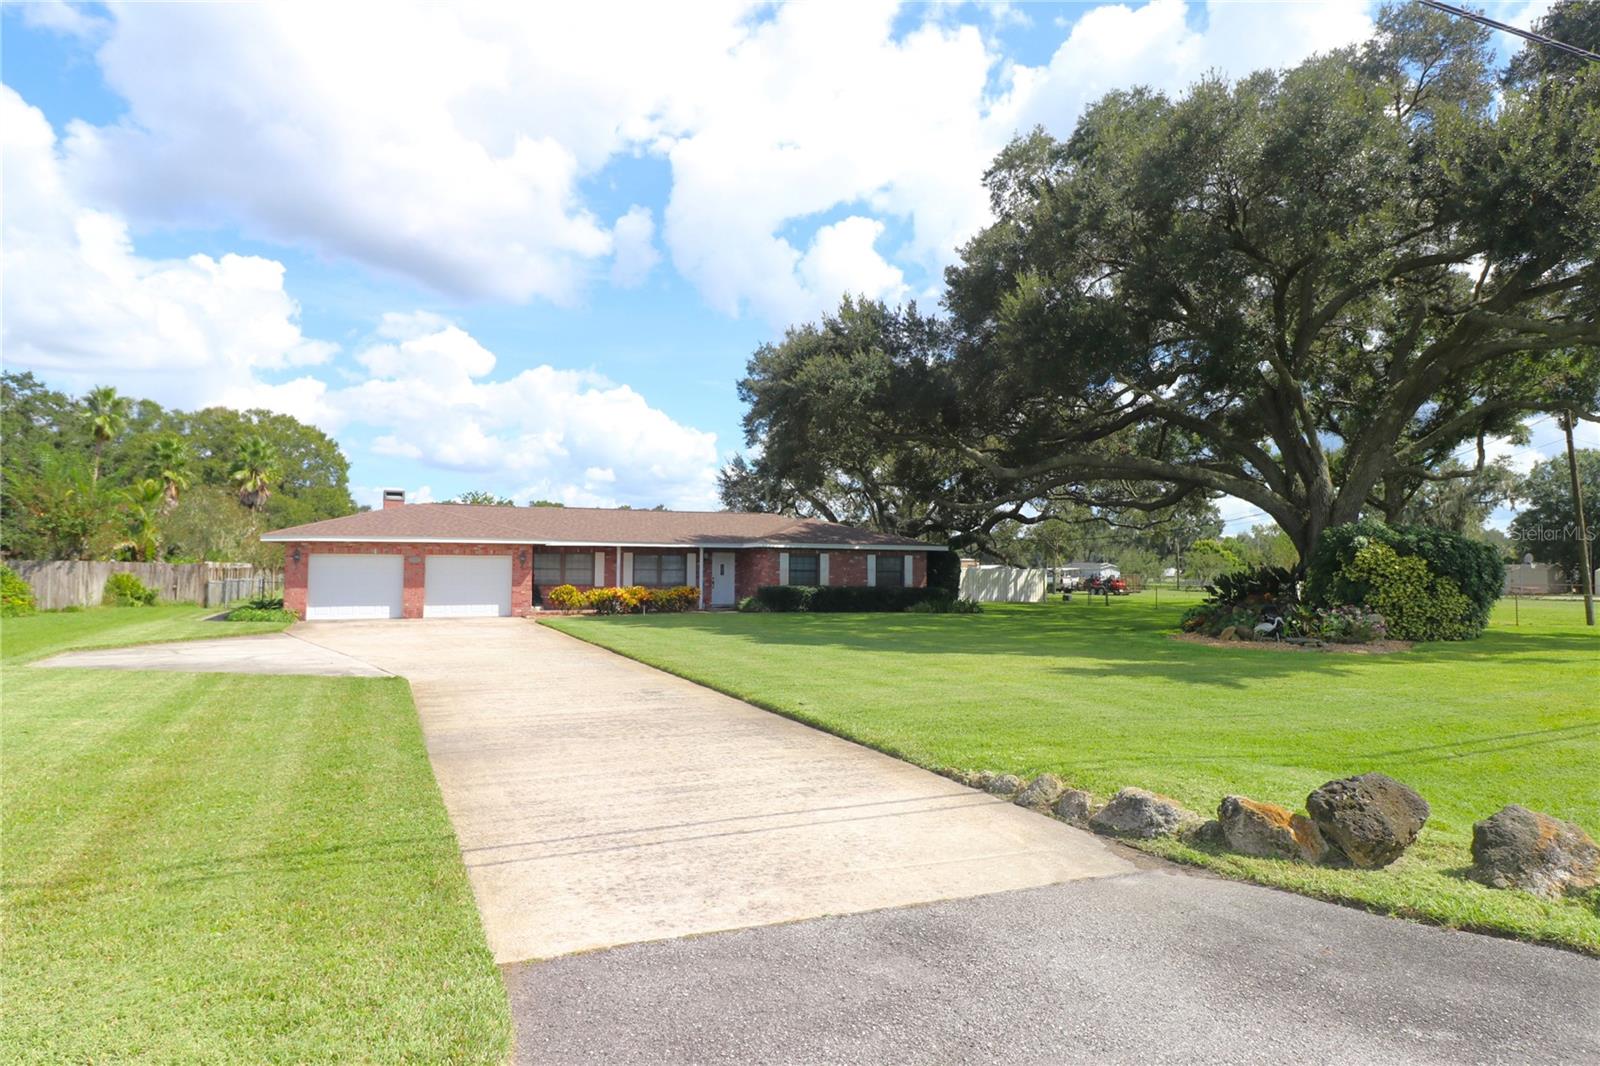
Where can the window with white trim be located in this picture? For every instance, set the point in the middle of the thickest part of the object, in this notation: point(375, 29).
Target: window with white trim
point(804, 569)
point(891, 571)
point(563, 568)
point(663, 571)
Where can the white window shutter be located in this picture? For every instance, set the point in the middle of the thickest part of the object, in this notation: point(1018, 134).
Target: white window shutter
point(909, 571)
point(783, 568)
point(627, 568)
point(872, 570)
point(822, 568)
point(599, 569)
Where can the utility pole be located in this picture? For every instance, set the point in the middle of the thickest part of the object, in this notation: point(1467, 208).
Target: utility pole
point(1583, 529)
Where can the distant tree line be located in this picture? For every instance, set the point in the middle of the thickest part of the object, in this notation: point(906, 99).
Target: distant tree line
point(107, 476)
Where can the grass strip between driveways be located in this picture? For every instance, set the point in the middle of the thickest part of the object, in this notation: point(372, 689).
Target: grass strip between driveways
point(227, 868)
point(1102, 696)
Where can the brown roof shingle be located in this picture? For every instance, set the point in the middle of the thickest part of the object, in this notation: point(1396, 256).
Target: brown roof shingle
point(422, 522)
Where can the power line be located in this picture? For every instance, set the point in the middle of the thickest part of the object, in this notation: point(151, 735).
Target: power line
point(1529, 35)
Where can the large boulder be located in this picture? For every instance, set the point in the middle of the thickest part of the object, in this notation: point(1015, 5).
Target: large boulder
point(1268, 830)
point(1074, 805)
point(1369, 819)
point(1519, 848)
point(1042, 791)
point(1133, 812)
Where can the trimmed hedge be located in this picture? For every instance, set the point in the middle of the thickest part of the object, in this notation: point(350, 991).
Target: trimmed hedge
point(843, 598)
point(1474, 568)
point(16, 595)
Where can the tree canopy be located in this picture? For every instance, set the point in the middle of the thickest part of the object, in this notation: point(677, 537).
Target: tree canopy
point(1547, 527)
point(75, 473)
point(1307, 289)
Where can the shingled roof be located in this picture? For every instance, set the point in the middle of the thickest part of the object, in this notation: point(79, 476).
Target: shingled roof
point(464, 523)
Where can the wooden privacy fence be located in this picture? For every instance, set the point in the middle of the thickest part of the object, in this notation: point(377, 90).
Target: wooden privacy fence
point(80, 582)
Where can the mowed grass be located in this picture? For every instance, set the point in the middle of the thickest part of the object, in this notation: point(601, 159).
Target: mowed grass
point(39, 635)
point(221, 868)
point(1102, 696)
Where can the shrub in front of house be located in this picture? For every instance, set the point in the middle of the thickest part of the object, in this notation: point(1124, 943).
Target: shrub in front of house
point(247, 613)
point(16, 596)
point(125, 590)
point(674, 600)
point(566, 598)
point(1473, 569)
point(612, 601)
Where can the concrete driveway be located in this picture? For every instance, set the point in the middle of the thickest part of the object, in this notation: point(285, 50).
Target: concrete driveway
point(600, 802)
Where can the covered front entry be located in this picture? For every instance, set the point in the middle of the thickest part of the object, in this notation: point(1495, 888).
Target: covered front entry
point(722, 573)
point(354, 586)
point(467, 586)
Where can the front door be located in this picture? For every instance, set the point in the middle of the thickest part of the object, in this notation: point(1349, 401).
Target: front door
point(722, 579)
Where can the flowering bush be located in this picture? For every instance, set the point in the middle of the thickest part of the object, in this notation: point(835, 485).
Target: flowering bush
point(566, 598)
point(613, 600)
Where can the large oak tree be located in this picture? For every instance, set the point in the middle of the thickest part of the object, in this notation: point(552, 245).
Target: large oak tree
point(1307, 289)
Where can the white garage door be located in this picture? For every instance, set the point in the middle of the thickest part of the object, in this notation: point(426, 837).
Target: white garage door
point(467, 586)
point(354, 586)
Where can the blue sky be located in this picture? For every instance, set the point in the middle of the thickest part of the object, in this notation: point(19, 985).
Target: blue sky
point(527, 249)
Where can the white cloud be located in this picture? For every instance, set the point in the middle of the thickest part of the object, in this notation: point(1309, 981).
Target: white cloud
point(634, 239)
point(82, 306)
point(74, 20)
point(564, 434)
point(79, 301)
point(450, 143)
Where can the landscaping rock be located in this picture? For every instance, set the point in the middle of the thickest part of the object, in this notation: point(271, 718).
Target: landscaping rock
point(1133, 812)
point(1074, 805)
point(1229, 633)
point(1519, 848)
point(1042, 791)
point(1002, 784)
point(1369, 819)
point(1206, 834)
point(1270, 831)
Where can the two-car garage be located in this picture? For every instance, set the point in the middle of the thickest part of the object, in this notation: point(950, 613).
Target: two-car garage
point(341, 586)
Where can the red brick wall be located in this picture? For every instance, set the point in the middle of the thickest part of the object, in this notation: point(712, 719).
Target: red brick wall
point(414, 570)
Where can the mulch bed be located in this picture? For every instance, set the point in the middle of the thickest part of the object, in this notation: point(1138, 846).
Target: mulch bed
point(1377, 647)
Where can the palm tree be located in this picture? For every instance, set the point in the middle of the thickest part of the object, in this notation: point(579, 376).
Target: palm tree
point(169, 464)
point(108, 416)
point(141, 506)
point(254, 469)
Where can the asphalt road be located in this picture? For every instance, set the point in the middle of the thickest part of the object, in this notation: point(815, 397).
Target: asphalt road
point(1154, 966)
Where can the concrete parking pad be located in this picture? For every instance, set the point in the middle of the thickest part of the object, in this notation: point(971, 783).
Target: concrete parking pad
point(274, 653)
point(1155, 967)
point(600, 802)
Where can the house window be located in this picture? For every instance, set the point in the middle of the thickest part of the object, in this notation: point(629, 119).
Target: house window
point(891, 571)
point(563, 568)
point(660, 571)
point(803, 569)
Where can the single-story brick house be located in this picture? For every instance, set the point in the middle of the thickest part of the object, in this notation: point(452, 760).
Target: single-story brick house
point(454, 560)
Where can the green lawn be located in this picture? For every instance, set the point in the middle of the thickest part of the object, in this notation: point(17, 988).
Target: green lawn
point(1102, 696)
point(218, 868)
point(44, 634)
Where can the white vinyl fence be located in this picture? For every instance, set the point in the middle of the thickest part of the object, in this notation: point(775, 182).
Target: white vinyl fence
point(81, 582)
point(1002, 584)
